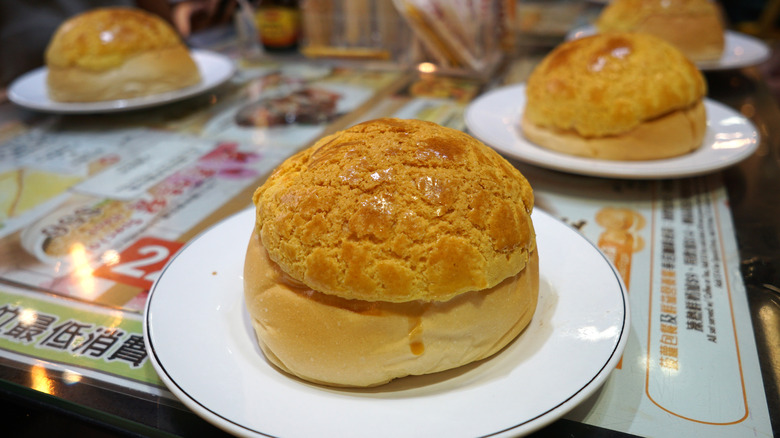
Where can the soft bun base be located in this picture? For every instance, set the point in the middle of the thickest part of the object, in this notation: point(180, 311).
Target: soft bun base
point(152, 72)
point(676, 133)
point(353, 343)
point(699, 37)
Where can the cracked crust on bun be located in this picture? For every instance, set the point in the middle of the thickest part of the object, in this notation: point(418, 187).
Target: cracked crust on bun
point(116, 53)
point(618, 96)
point(392, 248)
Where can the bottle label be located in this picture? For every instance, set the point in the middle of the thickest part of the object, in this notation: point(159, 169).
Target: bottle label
point(278, 27)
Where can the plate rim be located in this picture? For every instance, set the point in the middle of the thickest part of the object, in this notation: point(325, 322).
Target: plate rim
point(587, 166)
point(737, 37)
point(527, 426)
point(201, 57)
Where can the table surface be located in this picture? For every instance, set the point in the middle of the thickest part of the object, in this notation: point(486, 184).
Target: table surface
point(38, 389)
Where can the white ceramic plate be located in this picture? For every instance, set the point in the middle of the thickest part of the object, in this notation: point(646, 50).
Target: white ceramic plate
point(494, 118)
point(739, 51)
point(29, 90)
point(200, 340)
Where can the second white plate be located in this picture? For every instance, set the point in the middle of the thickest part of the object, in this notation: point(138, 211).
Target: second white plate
point(29, 90)
point(494, 118)
point(200, 340)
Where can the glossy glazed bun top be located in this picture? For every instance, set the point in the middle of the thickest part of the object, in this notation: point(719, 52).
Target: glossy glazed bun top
point(693, 26)
point(608, 84)
point(105, 38)
point(397, 210)
point(627, 15)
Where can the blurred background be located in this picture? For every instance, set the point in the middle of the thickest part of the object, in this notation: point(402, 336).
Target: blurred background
point(468, 36)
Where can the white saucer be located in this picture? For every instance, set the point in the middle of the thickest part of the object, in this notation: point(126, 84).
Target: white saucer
point(494, 118)
point(200, 340)
point(29, 90)
point(740, 50)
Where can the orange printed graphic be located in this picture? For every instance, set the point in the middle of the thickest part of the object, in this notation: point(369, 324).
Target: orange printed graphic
point(140, 264)
point(619, 240)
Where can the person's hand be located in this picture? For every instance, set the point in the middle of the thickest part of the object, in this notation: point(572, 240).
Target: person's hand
point(193, 15)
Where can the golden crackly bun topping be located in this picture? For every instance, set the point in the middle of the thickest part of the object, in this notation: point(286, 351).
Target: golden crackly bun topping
point(608, 84)
point(104, 38)
point(397, 210)
point(626, 15)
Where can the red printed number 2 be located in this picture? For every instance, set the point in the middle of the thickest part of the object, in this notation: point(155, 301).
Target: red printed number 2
point(141, 263)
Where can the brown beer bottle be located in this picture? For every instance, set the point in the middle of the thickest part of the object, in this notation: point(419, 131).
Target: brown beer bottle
point(279, 24)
